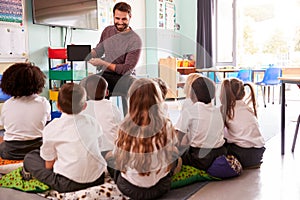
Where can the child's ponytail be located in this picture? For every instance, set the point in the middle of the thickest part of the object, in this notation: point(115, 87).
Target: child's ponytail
point(251, 98)
point(228, 99)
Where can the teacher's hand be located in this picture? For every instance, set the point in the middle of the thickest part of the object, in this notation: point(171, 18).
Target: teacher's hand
point(97, 61)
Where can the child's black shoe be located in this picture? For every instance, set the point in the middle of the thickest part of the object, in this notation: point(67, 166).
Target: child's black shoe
point(25, 175)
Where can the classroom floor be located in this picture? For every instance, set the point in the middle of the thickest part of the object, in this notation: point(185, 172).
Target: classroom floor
point(277, 179)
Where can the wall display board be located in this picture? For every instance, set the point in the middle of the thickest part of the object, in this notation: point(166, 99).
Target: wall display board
point(12, 31)
point(105, 13)
point(170, 15)
point(166, 14)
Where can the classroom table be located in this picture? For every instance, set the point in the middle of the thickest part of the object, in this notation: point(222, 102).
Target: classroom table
point(229, 70)
point(215, 70)
point(285, 80)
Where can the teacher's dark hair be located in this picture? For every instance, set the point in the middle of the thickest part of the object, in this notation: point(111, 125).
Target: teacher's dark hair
point(124, 7)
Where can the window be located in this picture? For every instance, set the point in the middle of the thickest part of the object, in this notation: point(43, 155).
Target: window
point(257, 33)
point(225, 31)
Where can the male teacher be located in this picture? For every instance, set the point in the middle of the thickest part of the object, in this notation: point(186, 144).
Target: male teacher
point(117, 53)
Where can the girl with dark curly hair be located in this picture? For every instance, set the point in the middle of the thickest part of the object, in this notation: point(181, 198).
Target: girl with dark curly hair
point(25, 114)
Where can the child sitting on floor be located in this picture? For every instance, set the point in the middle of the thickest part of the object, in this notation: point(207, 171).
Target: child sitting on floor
point(145, 152)
point(106, 113)
point(25, 114)
point(244, 139)
point(70, 158)
point(202, 126)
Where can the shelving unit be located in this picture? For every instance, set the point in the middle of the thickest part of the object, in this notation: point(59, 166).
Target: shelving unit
point(60, 56)
point(169, 71)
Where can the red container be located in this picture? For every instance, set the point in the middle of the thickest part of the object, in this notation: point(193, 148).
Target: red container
point(59, 53)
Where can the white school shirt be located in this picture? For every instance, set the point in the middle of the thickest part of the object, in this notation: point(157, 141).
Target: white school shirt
point(186, 103)
point(24, 118)
point(203, 125)
point(159, 164)
point(108, 116)
point(243, 129)
point(74, 142)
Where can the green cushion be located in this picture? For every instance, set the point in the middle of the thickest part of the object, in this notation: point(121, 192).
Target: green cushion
point(14, 180)
point(189, 175)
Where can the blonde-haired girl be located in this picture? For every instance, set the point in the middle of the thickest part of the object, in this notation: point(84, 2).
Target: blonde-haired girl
point(145, 149)
point(187, 89)
point(244, 139)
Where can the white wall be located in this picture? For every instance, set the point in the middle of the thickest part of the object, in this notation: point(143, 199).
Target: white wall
point(187, 18)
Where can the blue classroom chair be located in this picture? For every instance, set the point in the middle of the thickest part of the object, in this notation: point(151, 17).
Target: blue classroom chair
point(245, 75)
point(213, 76)
point(231, 75)
point(270, 80)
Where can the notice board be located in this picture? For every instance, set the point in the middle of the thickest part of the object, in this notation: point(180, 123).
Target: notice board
point(13, 39)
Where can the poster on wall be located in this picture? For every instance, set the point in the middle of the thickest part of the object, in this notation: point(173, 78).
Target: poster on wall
point(105, 12)
point(161, 14)
point(13, 42)
point(170, 15)
point(12, 30)
point(11, 11)
point(166, 14)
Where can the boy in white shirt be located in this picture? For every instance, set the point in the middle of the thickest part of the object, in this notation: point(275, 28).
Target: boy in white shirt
point(106, 113)
point(70, 158)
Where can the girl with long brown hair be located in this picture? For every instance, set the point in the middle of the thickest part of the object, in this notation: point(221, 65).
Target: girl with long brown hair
point(145, 149)
point(244, 139)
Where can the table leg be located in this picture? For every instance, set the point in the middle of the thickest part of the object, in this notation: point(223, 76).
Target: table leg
point(215, 77)
point(282, 118)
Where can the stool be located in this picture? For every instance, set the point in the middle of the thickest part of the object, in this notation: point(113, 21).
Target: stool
point(296, 133)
